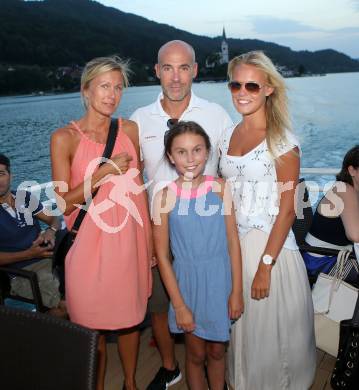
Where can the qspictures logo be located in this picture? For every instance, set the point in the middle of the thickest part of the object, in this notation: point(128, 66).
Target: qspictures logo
point(121, 190)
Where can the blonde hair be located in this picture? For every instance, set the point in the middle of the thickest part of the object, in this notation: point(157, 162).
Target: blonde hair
point(101, 65)
point(277, 113)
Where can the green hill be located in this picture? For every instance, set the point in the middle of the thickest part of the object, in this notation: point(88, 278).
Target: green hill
point(44, 35)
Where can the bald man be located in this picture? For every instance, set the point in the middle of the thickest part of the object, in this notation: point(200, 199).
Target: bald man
point(176, 68)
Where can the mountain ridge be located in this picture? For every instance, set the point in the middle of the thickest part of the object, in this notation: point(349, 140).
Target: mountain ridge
point(58, 33)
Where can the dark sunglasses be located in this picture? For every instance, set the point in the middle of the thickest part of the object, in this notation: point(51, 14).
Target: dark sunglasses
point(170, 124)
point(250, 87)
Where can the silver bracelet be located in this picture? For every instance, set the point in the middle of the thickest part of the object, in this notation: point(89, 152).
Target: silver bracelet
point(52, 228)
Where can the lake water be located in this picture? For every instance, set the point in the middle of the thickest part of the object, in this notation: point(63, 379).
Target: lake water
point(325, 111)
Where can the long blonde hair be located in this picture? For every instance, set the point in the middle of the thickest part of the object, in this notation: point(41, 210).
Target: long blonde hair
point(277, 113)
point(101, 65)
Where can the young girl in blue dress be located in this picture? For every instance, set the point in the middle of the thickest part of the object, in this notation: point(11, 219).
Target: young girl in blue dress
point(194, 221)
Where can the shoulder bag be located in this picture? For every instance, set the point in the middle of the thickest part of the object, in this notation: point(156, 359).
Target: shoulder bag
point(67, 239)
point(334, 300)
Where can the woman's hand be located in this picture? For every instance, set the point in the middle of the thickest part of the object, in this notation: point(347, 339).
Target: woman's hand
point(261, 281)
point(184, 319)
point(119, 163)
point(235, 305)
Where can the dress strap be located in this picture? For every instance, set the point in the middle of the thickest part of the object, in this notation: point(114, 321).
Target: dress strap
point(77, 127)
point(225, 139)
point(202, 189)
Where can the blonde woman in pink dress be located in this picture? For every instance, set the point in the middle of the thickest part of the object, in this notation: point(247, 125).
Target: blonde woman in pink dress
point(107, 269)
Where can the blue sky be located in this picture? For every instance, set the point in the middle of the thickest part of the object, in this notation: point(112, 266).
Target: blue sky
point(299, 24)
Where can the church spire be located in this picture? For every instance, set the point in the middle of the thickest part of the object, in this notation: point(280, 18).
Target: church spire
point(224, 38)
point(224, 49)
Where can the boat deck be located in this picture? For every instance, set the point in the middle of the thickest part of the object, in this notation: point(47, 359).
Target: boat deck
point(149, 362)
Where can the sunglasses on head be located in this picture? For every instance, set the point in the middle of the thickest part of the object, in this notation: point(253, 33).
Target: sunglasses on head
point(170, 124)
point(250, 87)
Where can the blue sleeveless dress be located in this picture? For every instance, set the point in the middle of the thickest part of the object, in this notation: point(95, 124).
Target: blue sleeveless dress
point(201, 263)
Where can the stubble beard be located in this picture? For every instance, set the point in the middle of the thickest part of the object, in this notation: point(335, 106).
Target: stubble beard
point(5, 192)
point(179, 98)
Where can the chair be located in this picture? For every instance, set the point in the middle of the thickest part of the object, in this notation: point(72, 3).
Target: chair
point(7, 271)
point(5, 289)
point(304, 213)
point(41, 352)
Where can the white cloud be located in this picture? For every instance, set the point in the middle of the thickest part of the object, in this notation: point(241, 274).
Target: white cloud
point(273, 25)
point(301, 24)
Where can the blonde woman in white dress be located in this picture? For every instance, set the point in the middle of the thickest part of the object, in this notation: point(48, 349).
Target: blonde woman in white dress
point(272, 346)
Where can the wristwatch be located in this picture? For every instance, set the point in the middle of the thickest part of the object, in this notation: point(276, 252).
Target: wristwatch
point(268, 260)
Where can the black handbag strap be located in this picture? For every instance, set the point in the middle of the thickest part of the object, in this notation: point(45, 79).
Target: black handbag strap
point(355, 319)
point(110, 143)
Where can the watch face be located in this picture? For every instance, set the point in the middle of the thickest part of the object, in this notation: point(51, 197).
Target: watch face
point(267, 259)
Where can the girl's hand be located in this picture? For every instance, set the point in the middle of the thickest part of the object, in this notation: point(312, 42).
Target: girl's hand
point(184, 319)
point(261, 281)
point(235, 305)
point(121, 163)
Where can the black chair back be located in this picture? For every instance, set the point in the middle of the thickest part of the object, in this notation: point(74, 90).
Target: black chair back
point(41, 352)
point(5, 287)
point(304, 213)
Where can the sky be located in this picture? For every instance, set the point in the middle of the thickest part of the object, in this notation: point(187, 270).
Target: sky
point(299, 24)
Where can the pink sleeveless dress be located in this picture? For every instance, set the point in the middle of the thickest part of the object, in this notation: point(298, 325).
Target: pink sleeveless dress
point(107, 270)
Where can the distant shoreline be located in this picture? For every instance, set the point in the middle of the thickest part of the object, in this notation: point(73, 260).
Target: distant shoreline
point(151, 83)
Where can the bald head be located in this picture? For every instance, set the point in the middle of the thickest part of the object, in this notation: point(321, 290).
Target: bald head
point(176, 46)
point(176, 69)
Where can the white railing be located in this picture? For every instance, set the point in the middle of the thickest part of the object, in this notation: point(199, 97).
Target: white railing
point(319, 171)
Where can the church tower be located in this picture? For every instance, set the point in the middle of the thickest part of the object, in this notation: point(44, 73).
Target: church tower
point(224, 49)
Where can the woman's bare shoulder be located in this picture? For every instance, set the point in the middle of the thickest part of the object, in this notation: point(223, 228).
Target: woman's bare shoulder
point(339, 192)
point(131, 125)
point(66, 133)
point(130, 128)
point(341, 189)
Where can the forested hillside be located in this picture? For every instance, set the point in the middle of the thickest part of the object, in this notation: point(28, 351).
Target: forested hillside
point(38, 37)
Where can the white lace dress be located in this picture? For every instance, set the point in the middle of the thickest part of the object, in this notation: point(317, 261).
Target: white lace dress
point(272, 345)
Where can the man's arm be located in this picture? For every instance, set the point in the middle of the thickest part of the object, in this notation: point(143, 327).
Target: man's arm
point(41, 248)
point(34, 252)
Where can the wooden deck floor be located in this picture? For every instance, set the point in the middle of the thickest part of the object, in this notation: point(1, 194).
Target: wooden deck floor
point(149, 362)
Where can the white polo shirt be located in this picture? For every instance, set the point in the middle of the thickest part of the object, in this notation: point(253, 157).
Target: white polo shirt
point(152, 125)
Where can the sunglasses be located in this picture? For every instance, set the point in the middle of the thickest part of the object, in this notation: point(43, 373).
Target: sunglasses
point(170, 124)
point(250, 87)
